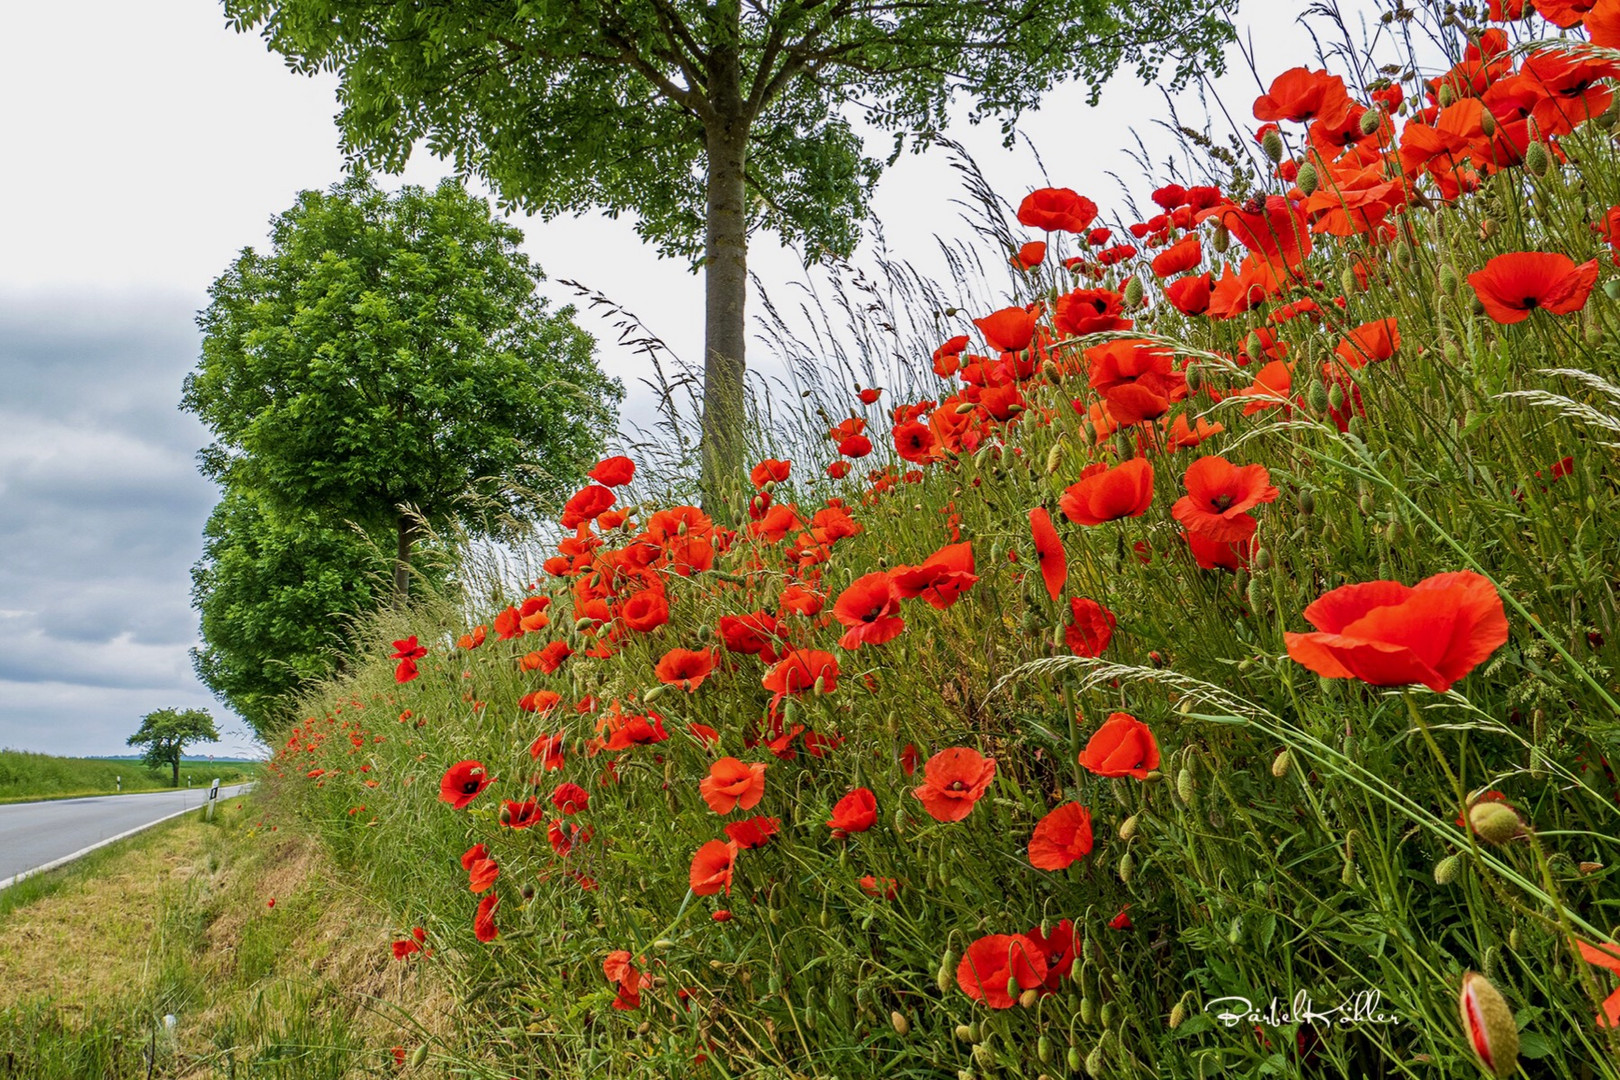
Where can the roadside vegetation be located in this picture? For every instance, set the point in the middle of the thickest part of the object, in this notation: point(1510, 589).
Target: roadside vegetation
point(207, 950)
point(27, 776)
point(1222, 608)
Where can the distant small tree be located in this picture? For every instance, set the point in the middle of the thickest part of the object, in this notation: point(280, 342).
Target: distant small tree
point(165, 733)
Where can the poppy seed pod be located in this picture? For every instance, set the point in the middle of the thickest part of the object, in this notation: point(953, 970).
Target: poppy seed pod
point(1536, 159)
point(1494, 822)
point(1307, 179)
point(1272, 144)
point(1133, 293)
point(1487, 1022)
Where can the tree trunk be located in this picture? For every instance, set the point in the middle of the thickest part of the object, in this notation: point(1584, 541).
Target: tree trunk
point(402, 559)
point(176, 763)
point(725, 279)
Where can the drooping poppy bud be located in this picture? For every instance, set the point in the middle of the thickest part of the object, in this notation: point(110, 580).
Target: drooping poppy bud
point(1494, 822)
point(1488, 1022)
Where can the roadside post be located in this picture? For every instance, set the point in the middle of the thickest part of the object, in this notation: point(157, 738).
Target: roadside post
point(213, 797)
point(119, 780)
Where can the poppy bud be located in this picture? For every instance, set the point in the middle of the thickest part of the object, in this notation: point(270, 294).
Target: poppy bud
point(1262, 559)
point(1448, 279)
point(1307, 179)
point(1052, 374)
point(419, 1055)
point(1127, 867)
point(1133, 293)
point(1487, 123)
point(1088, 1011)
point(1494, 822)
point(1074, 1059)
point(1272, 144)
point(1028, 998)
point(1403, 256)
point(1094, 1061)
point(1446, 96)
point(898, 1021)
point(820, 687)
point(1370, 121)
point(1487, 229)
point(652, 694)
point(1366, 504)
point(964, 1033)
point(1488, 1023)
point(1194, 378)
point(1124, 445)
point(681, 529)
point(1536, 159)
point(1221, 239)
point(583, 623)
point(1178, 1015)
point(1054, 458)
point(505, 816)
point(1281, 764)
point(1513, 939)
point(1127, 828)
point(965, 407)
point(1593, 333)
point(1447, 869)
point(1234, 932)
point(984, 1055)
point(1307, 501)
point(1186, 786)
point(1317, 396)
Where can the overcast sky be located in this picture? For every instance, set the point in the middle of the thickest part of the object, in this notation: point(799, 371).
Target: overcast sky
point(146, 145)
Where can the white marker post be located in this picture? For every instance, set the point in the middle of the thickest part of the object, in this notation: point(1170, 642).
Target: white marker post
point(119, 780)
point(213, 797)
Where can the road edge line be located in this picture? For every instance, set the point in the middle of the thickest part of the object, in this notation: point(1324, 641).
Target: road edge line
point(82, 852)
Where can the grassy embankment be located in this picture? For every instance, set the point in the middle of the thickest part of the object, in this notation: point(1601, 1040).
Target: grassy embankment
point(178, 923)
point(26, 776)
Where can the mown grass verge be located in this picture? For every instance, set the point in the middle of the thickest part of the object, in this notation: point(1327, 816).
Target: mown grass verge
point(201, 950)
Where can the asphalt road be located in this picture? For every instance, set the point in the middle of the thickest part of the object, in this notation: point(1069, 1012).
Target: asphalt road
point(36, 833)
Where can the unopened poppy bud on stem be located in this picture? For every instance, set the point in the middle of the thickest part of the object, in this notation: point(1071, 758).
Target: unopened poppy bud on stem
point(1446, 870)
point(1536, 159)
point(1494, 822)
point(1370, 121)
point(1272, 144)
point(1307, 179)
point(1488, 1023)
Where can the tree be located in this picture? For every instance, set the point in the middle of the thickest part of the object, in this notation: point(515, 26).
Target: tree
point(706, 118)
point(390, 363)
point(166, 732)
point(275, 598)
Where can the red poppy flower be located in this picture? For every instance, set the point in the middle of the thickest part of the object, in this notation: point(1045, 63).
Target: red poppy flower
point(840, 469)
point(732, 784)
point(1606, 956)
point(754, 832)
point(407, 649)
point(1219, 494)
point(880, 888)
point(547, 749)
point(1049, 553)
point(550, 658)
point(909, 758)
point(1108, 494)
point(940, 579)
point(953, 781)
point(770, 470)
point(585, 504)
point(1057, 209)
point(1008, 330)
point(462, 783)
point(481, 869)
point(1090, 628)
point(637, 731)
point(646, 611)
point(685, 668)
point(405, 671)
point(800, 670)
point(1302, 95)
point(405, 948)
point(870, 395)
point(1388, 634)
point(855, 812)
point(1513, 285)
point(1219, 554)
point(508, 624)
point(915, 442)
point(1058, 948)
point(1369, 343)
point(1123, 746)
point(484, 921)
point(1184, 254)
point(1028, 256)
point(1061, 838)
point(570, 798)
point(1122, 921)
point(1089, 311)
point(613, 471)
point(711, 868)
point(471, 641)
point(870, 608)
point(996, 963)
point(519, 815)
point(757, 632)
point(1190, 295)
point(628, 981)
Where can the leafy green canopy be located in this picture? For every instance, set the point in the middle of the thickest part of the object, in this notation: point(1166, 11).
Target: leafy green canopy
point(164, 734)
point(276, 598)
point(393, 350)
point(563, 104)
